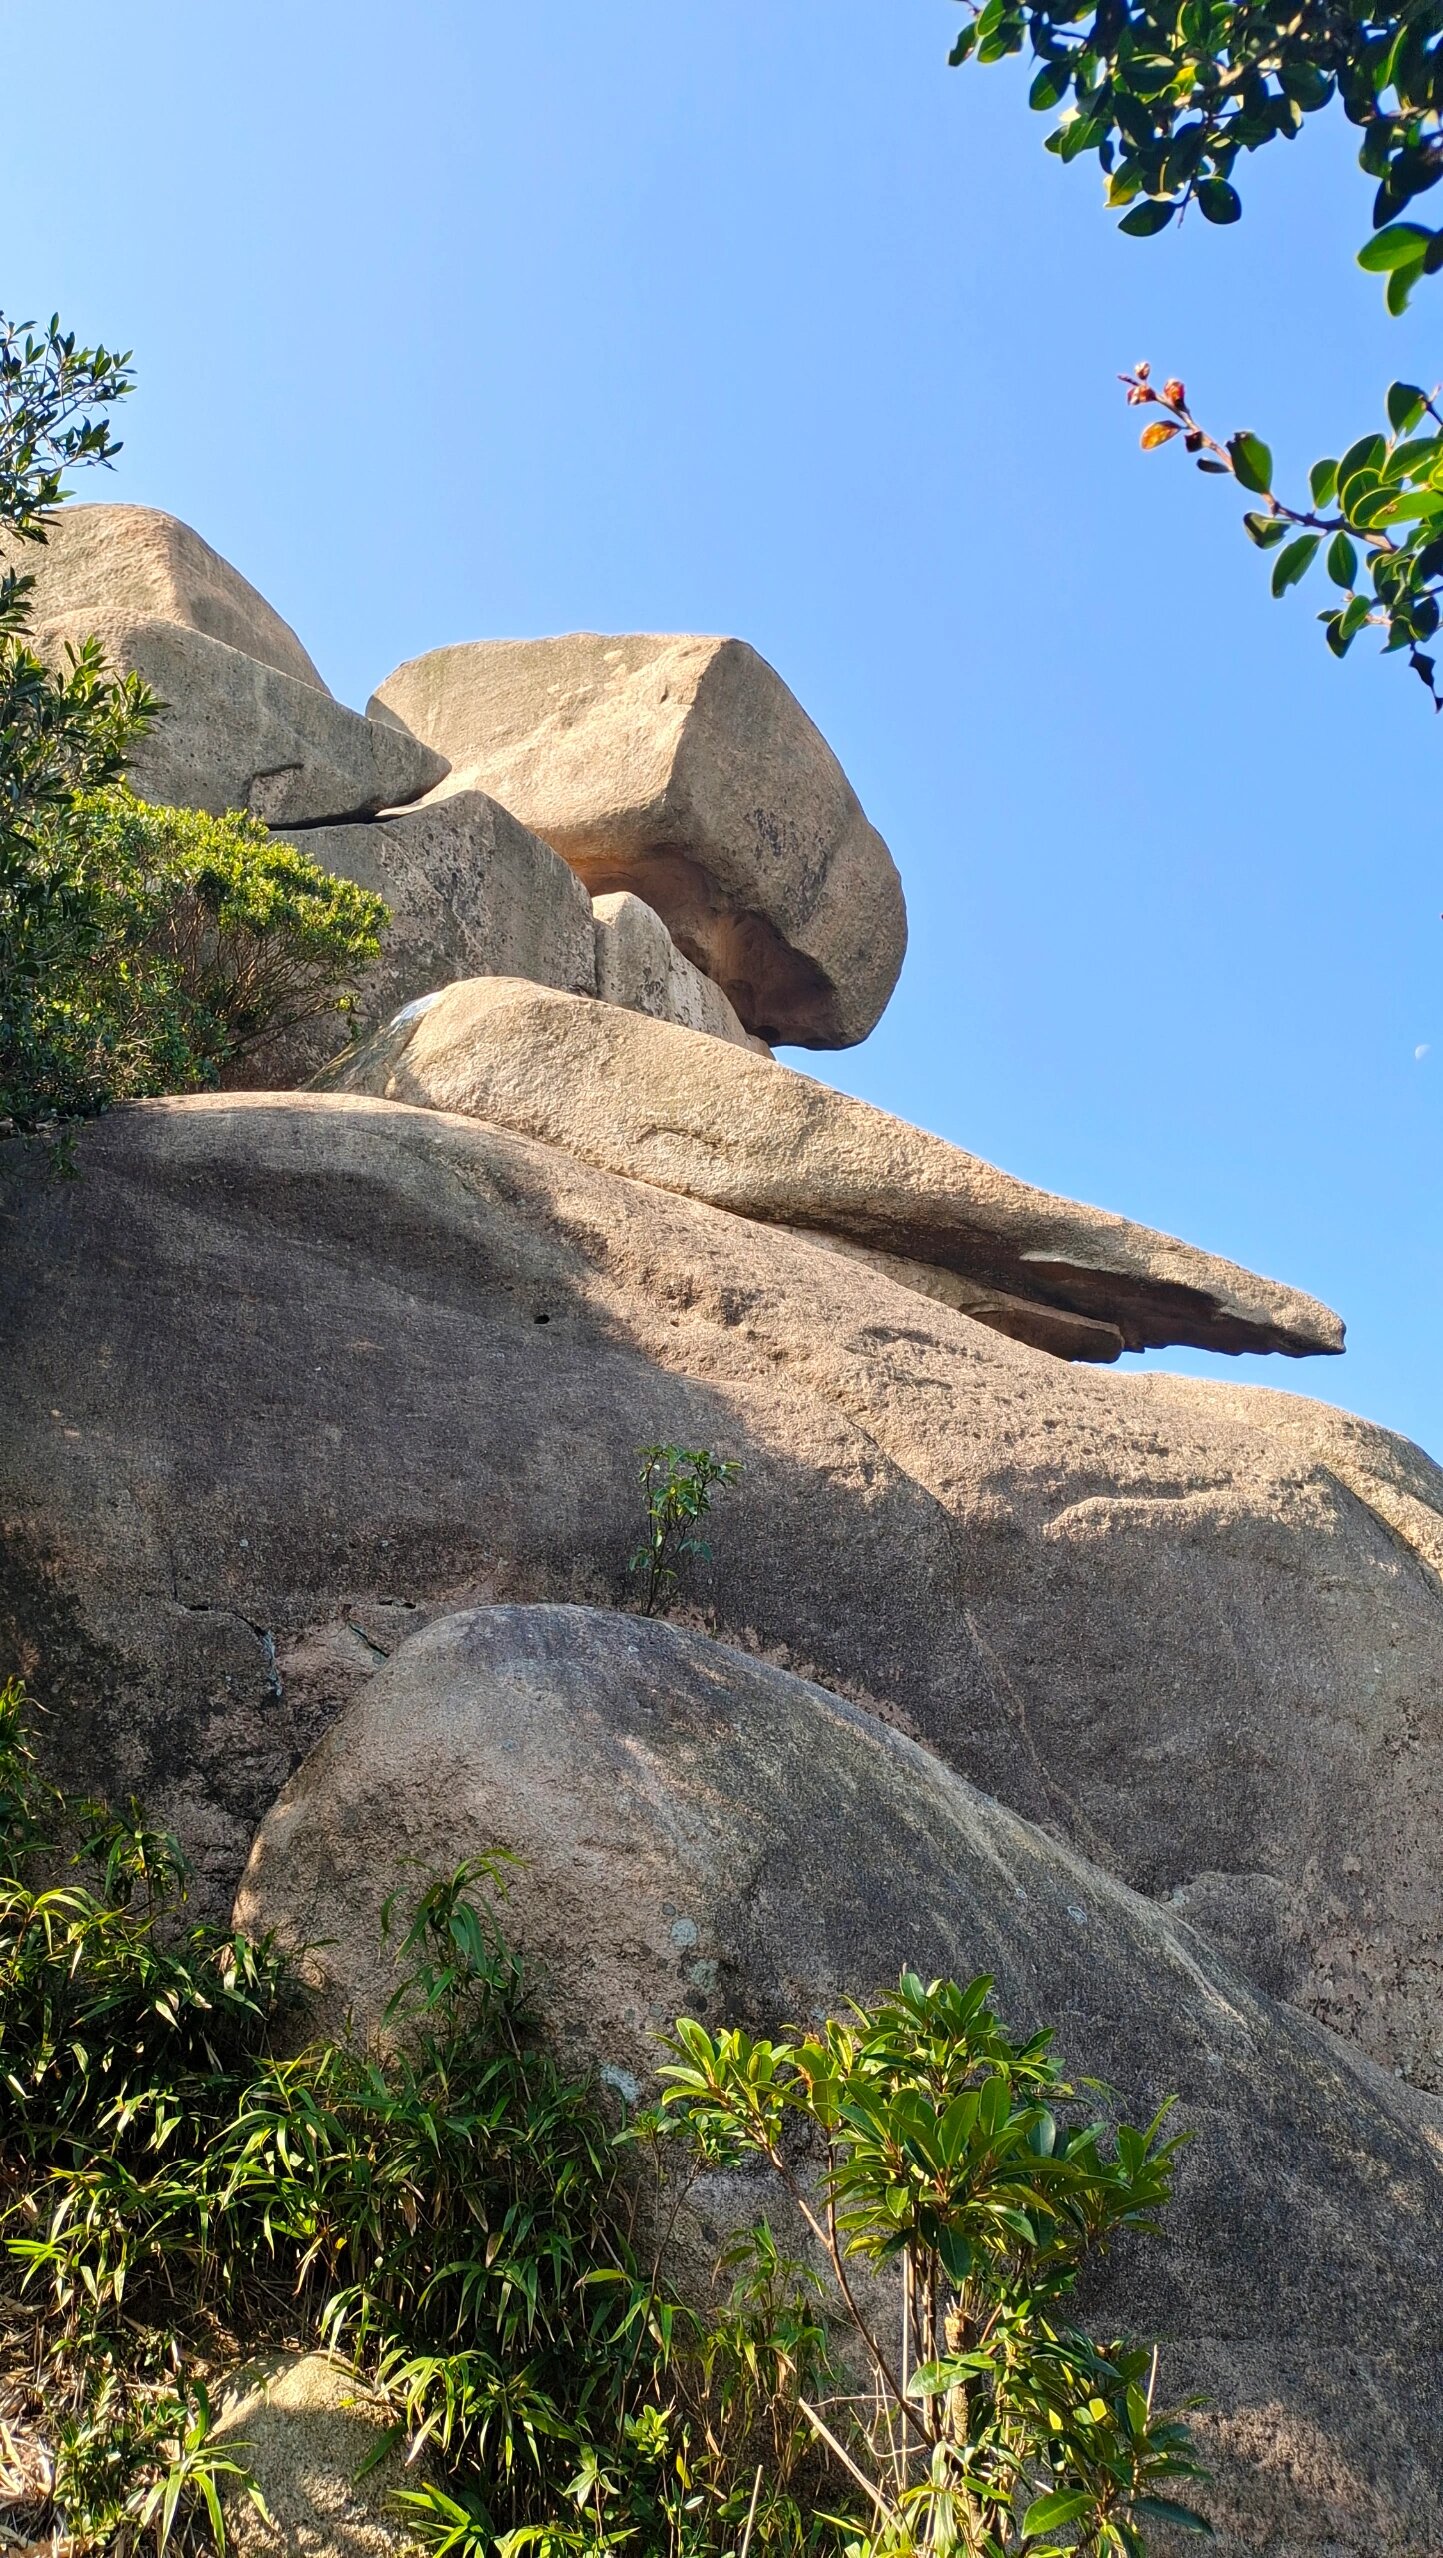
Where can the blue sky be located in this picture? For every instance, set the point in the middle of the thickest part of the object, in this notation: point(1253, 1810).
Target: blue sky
point(494, 317)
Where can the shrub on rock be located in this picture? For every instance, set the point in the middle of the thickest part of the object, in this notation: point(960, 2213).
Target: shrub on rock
point(160, 945)
point(181, 2188)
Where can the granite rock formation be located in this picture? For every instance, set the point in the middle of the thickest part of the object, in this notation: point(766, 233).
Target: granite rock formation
point(318, 1460)
point(285, 1371)
point(703, 1834)
point(650, 1101)
point(683, 769)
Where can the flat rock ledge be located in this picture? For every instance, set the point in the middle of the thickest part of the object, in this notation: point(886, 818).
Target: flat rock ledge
point(718, 1123)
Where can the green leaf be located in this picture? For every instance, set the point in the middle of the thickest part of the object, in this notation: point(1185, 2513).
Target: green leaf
point(1323, 481)
point(1217, 201)
point(932, 2380)
point(1402, 244)
point(1050, 86)
point(1400, 285)
point(1369, 506)
point(1265, 530)
point(1406, 404)
point(1181, 2517)
point(1295, 562)
point(1418, 455)
point(1368, 454)
point(1307, 86)
point(1342, 561)
point(1252, 462)
point(1054, 2512)
point(956, 2254)
point(1147, 218)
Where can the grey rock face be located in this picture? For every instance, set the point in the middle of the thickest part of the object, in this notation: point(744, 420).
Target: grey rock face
point(703, 1834)
point(470, 892)
point(239, 734)
point(135, 563)
point(683, 769)
point(644, 1099)
point(285, 1375)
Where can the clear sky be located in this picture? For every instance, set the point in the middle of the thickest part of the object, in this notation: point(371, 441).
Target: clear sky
point(496, 317)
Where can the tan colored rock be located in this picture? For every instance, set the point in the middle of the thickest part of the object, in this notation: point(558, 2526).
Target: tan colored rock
point(470, 893)
point(684, 769)
point(137, 564)
point(745, 1133)
point(237, 733)
point(283, 1375)
point(702, 1834)
point(304, 2428)
point(639, 967)
point(1042, 1327)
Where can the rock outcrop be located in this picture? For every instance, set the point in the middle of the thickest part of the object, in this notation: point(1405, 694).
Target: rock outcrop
point(685, 770)
point(134, 563)
point(702, 1834)
point(470, 891)
point(640, 969)
point(292, 1379)
point(313, 2438)
point(283, 1374)
point(644, 1099)
point(239, 734)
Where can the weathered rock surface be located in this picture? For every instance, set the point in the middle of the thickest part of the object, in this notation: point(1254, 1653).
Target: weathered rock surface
point(304, 2427)
point(745, 1133)
point(135, 563)
point(470, 893)
point(639, 967)
point(703, 1834)
point(284, 1374)
point(684, 769)
point(237, 733)
point(1043, 1327)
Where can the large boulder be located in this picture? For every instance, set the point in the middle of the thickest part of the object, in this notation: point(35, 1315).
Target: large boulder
point(639, 967)
point(700, 1833)
point(683, 769)
point(238, 733)
point(645, 1099)
point(285, 1374)
point(100, 563)
point(470, 892)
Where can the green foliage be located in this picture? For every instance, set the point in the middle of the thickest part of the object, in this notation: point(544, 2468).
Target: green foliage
point(53, 399)
point(1169, 94)
point(156, 945)
point(183, 2179)
point(179, 2184)
point(999, 2427)
point(677, 1486)
point(1379, 510)
point(62, 731)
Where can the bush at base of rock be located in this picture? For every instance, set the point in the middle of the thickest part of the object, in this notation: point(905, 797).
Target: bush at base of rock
point(446, 2210)
point(143, 949)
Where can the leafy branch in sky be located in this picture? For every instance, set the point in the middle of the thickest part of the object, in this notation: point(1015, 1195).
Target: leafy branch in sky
point(1169, 94)
point(1378, 510)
